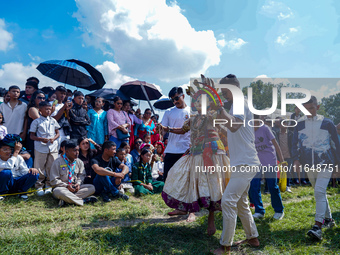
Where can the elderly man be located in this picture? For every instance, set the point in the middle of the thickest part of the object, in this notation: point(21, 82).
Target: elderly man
point(66, 177)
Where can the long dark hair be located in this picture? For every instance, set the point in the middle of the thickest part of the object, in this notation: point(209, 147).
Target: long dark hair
point(143, 152)
point(34, 96)
point(89, 151)
point(32, 100)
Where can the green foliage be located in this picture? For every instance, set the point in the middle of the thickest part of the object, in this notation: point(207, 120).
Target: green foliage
point(263, 94)
point(331, 107)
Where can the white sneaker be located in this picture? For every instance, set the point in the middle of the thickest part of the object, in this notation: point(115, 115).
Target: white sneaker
point(1, 198)
point(289, 190)
point(278, 216)
point(40, 192)
point(24, 197)
point(258, 215)
point(48, 190)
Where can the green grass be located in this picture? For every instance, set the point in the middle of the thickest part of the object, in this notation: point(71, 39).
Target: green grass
point(141, 226)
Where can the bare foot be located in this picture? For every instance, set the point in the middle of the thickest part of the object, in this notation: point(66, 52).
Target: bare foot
point(191, 217)
point(253, 242)
point(221, 250)
point(177, 212)
point(211, 224)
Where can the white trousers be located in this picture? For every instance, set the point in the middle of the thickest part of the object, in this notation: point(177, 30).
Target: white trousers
point(235, 203)
point(320, 182)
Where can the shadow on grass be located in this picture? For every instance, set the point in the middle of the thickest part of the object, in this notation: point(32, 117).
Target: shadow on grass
point(48, 200)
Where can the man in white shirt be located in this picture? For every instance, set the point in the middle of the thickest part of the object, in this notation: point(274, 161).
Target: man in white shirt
point(245, 164)
point(175, 118)
point(14, 112)
point(15, 177)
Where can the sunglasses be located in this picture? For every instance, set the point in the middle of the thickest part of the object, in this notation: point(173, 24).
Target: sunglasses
point(176, 98)
point(147, 113)
point(139, 142)
point(119, 103)
point(41, 98)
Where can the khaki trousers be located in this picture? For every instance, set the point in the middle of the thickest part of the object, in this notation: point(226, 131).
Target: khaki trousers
point(63, 193)
point(43, 162)
point(235, 203)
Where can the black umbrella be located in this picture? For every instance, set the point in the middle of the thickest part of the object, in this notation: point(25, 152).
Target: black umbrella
point(95, 74)
point(141, 90)
point(163, 104)
point(71, 73)
point(110, 94)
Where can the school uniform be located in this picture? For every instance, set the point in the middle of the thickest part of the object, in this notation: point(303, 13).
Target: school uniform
point(60, 175)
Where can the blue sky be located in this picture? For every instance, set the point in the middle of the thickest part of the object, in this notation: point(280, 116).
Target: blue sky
point(167, 42)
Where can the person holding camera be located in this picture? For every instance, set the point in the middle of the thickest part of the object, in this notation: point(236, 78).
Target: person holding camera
point(118, 123)
point(61, 113)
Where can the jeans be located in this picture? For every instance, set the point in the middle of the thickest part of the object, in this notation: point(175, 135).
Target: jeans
point(8, 184)
point(255, 192)
point(117, 141)
point(105, 184)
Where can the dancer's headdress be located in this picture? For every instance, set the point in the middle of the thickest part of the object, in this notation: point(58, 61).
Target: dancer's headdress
point(206, 86)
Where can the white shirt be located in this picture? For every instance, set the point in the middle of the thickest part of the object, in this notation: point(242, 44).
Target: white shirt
point(3, 132)
point(14, 118)
point(175, 118)
point(16, 164)
point(45, 127)
point(241, 143)
point(57, 109)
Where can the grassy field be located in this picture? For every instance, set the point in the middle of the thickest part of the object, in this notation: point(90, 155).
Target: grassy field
point(141, 226)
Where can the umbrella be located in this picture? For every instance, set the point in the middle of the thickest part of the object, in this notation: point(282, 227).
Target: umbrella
point(69, 73)
point(95, 74)
point(110, 94)
point(141, 90)
point(163, 104)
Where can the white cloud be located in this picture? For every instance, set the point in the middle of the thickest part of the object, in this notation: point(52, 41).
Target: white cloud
point(6, 41)
point(34, 58)
point(112, 75)
point(235, 44)
point(282, 39)
point(266, 79)
point(16, 74)
point(285, 37)
point(277, 10)
point(152, 40)
point(326, 91)
point(293, 29)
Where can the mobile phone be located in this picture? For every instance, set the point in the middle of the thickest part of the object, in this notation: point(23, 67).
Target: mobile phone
point(55, 102)
point(69, 99)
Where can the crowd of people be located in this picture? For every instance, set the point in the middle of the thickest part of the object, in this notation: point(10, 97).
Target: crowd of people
point(78, 148)
point(74, 146)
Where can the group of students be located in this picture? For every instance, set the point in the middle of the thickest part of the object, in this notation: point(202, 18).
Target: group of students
point(62, 130)
point(97, 162)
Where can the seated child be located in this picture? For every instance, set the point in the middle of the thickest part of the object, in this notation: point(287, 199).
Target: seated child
point(125, 185)
point(128, 156)
point(142, 178)
point(15, 177)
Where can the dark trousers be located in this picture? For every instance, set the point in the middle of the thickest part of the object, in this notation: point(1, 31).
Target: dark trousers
point(169, 160)
point(105, 184)
point(9, 184)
